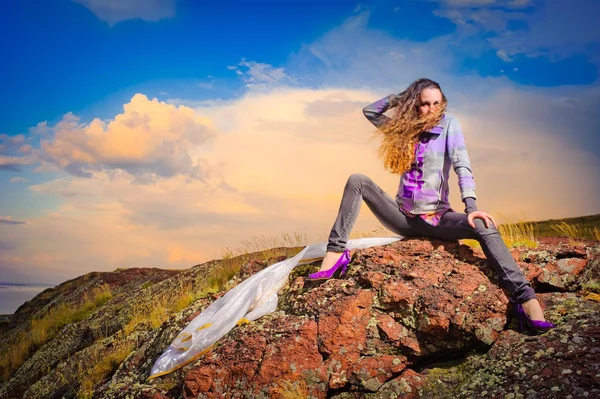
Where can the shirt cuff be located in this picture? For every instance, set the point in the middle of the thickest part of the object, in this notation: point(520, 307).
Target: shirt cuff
point(470, 205)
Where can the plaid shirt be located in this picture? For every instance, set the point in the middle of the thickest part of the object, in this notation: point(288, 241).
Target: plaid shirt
point(423, 189)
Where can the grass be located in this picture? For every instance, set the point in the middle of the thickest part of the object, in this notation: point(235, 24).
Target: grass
point(157, 309)
point(103, 364)
point(98, 365)
point(576, 232)
point(290, 390)
point(515, 232)
point(585, 224)
point(43, 329)
point(268, 246)
point(591, 286)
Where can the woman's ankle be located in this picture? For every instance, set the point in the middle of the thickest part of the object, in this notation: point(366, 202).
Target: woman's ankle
point(533, 309)
point(329, 259)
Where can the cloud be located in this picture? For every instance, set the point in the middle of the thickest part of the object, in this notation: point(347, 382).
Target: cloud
point(114, 11)
point(483, 3)
point(467, 3)
point(8, 221)
point(556, 29)
point(260, 76)
point(9, 144)
point(149, 140)
point(14, 164)
point(18, 179)
point(502, 55)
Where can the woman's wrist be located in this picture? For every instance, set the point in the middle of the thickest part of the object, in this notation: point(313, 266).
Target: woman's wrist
point(470, 205)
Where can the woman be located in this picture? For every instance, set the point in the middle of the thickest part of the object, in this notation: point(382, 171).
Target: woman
point(421, 142)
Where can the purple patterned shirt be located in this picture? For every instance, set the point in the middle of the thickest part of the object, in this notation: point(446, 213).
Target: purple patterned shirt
point(423, 189)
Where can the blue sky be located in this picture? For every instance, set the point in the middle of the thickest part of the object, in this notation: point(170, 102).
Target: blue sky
point(60, 56)
point(110, 107)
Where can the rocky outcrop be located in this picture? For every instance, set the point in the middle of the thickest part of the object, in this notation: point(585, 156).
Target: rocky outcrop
point(417, 318)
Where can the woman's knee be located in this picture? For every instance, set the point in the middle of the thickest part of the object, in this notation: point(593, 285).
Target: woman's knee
point(486, 232)
point(356, 179)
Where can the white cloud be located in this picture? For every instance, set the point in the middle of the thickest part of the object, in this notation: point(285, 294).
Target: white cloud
point(260, 76)
point(18, 179)
point(114, 11)
point(149, 140)
point(502, 55)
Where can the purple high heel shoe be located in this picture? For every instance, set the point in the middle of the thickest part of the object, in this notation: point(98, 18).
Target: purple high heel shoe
point(342, 264)
point(537, 326)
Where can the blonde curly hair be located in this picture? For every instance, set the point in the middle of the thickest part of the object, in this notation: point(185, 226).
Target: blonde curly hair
point(402, 131)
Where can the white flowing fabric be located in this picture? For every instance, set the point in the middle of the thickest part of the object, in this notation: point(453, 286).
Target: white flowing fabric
point(249, 300)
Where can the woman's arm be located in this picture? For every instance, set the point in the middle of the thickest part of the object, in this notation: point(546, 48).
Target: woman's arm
point(457, 152)
point(470, 205)
point(374, 112)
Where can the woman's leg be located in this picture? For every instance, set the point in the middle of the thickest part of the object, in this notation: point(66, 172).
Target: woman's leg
point(358, 188)
point(454, 225)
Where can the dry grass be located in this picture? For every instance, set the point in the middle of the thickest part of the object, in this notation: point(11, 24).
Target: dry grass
point(43, 329)
point(515, 232)
point(290, 390)
point(575, 232)
point(99, 363)
point(103, 364)
point(156, 309)
point(268, 247)
point(376, 232)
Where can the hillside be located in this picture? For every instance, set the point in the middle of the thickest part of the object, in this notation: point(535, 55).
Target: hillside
point(417, 318)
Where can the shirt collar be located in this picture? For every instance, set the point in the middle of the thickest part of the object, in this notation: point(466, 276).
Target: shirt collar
point(439, 128)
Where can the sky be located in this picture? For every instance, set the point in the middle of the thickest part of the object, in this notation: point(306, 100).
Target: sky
point(161, 133)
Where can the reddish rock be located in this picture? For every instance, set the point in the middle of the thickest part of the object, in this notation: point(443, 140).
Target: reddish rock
point(531, 271)
point(406, 386)
point(372, 279)
point(398, 334)
point(371, 372)
point(249, 362)
point(343, 334)
point(397, 294)
point(401, 306)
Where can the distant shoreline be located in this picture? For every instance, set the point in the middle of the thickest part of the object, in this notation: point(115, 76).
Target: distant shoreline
point(12, 296)
point(12, 285)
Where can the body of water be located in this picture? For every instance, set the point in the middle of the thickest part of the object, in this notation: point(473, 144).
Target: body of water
point(13, 296)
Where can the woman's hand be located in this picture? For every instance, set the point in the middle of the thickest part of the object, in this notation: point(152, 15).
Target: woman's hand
point(483, 216)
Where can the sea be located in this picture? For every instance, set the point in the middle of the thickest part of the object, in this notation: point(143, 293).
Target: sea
point(13, 296)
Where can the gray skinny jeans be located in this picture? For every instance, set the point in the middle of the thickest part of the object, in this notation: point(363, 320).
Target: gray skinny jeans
point(452, 226)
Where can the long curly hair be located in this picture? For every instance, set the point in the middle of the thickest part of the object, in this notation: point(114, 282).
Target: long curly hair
point(402, 130)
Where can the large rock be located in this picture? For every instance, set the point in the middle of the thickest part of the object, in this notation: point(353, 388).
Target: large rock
point(417, 318)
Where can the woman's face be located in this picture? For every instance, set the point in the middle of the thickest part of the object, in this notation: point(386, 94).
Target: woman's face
point(429, 101)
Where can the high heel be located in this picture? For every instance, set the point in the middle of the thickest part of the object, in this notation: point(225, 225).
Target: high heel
point(535, 325)
point(342, 263)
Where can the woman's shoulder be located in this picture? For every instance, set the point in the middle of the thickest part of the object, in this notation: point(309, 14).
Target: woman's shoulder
point(449, 119)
